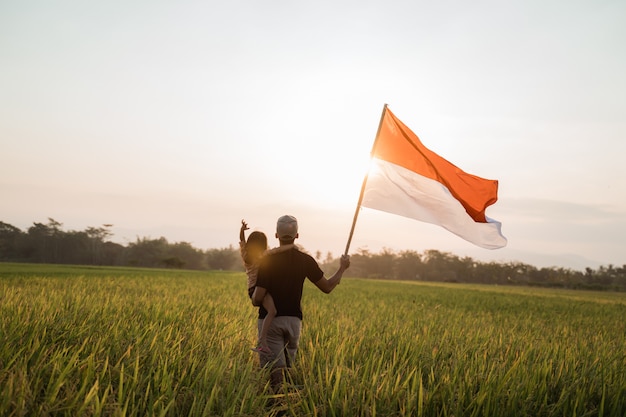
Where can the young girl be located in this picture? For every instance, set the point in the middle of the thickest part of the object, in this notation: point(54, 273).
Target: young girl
point(251, 252)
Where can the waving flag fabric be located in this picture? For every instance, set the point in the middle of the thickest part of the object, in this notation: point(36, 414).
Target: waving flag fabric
point(410, 180)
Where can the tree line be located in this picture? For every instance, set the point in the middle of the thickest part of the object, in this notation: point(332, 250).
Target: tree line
point(49, 243)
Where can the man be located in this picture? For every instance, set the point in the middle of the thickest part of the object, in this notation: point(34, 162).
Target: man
point(282, 274)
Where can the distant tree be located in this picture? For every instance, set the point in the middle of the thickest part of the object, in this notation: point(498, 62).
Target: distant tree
point(486, 272)
point(10, 237)
point(43, 241)
point(97, 237)
point(113, 254)
point(439, 266)
point(409, 266)
point(360, 263)
point(189, 257)
point(147, 252)
point(223, 259)
point(329, 257)
point(173, 262)
point(382, 264)
point(73, 248)
point(620, 280)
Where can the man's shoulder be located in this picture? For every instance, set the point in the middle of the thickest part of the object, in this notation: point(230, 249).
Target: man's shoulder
point(279, 254)
point(293, 248)
point(272, 255)
point(279, 249)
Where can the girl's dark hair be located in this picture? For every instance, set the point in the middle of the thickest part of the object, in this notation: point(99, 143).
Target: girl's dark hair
point(255, 246)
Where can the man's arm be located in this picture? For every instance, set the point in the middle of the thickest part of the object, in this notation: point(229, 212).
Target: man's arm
point(327, 285)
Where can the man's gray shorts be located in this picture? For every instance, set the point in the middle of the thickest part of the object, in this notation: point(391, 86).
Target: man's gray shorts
point(283, 337)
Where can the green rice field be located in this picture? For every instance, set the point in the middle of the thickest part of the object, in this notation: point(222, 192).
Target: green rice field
point(88, 341)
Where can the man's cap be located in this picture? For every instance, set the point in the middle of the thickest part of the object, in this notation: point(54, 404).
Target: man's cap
point(287, 227)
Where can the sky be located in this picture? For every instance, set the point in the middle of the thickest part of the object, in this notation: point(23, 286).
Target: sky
point(180, 119)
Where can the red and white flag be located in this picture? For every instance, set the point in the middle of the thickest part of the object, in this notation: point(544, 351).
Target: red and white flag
point(410, 180)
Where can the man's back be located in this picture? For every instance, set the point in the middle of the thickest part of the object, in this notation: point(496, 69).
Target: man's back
point(283, 273)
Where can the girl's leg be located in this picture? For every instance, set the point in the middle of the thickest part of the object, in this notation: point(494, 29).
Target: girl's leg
point(268, 304)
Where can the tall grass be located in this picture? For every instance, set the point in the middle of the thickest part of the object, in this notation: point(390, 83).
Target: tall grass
point(407, 349)
point(133, 342)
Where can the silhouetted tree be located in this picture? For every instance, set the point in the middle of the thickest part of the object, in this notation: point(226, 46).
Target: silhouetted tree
point(147, 252)
point(439, 266)
point(409, 266)
point(43, 241)
point(10, 237)
point(190, 257)
point(224, 259)
point(97, 236)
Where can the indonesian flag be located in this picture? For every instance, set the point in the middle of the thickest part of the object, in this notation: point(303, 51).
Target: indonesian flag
point(410, 180)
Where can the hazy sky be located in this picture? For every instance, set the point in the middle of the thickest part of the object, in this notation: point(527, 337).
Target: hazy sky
point(178, 119)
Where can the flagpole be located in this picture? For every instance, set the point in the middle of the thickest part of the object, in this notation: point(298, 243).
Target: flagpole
point(358, 205)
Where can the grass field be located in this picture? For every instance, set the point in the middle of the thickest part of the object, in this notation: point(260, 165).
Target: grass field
point(135, 342)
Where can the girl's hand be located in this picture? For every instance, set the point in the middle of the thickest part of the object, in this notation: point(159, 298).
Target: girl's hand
point(244, 225)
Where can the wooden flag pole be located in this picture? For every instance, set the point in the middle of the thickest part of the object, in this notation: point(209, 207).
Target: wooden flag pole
point(358, 205)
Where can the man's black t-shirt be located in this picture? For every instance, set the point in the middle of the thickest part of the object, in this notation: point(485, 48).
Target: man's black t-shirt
point(282, 274)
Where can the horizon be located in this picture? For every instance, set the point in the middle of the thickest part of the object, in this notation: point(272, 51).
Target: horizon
point(576, 262)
